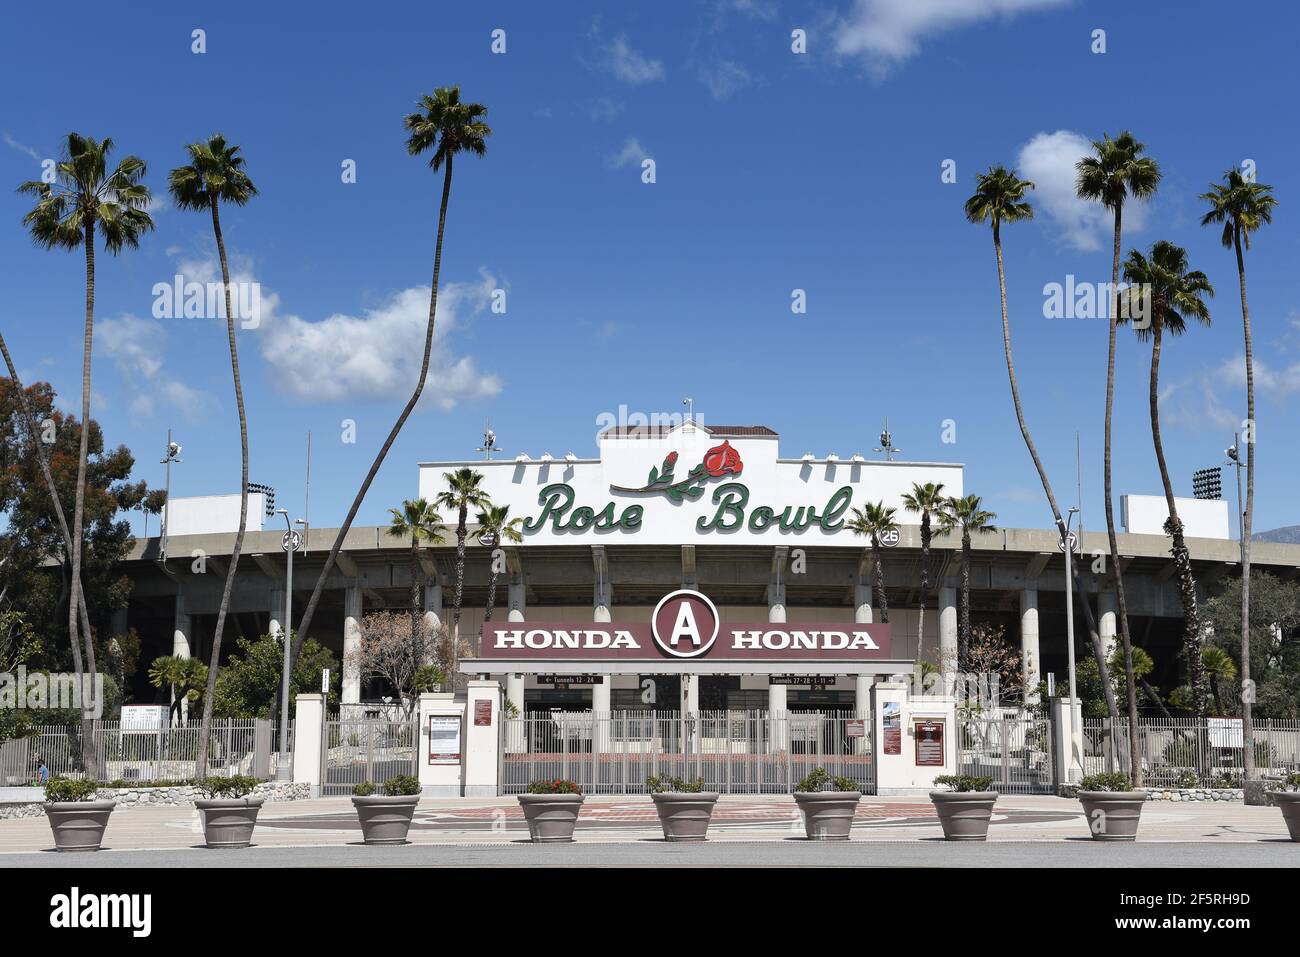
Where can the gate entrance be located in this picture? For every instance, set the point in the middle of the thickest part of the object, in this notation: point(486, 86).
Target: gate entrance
point(1016, 752)
point(366, 749)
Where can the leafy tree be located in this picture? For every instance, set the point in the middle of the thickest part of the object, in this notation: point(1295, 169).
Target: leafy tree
point(1273, 642)
point(249, 683)
point(185, 678)
point(391, 651)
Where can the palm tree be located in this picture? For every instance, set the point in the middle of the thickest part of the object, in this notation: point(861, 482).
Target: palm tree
point(1218, 667)
point(968, 514)
point(1172, 294)
point(873, 520)
point(84, 197)
point(462, 494)
point(926, 500)
point(1115, 172)
point(1000, 197)
point(185, 677)
point(1242, 207)
point(448, 126)
point(420, 522)
point(496, 525)
point(215, 174)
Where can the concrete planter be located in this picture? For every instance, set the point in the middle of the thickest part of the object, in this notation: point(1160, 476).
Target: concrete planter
point(551, 817)
point(1112, 815)
point(827, 815)
point(684, 815)
point(964, 815)
point(1289, 802)
point(229, 822)
point(78, 825)
point(384, 819)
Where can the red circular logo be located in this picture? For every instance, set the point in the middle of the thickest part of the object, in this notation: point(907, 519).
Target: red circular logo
point(685, 624)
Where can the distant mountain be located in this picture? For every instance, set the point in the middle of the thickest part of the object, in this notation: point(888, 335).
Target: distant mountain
point(1287, 535)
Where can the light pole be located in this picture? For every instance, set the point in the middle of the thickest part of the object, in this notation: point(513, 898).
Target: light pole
point(290, 545)
point(1067, 546)
point(173, 455)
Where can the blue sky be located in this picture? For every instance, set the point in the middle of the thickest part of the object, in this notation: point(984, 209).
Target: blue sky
point(775, 171)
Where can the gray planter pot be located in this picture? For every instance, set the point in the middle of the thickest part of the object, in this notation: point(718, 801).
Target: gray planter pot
point(78, 825)
point(551, 817)
point(1289, 802)
point(229, 822)
point(1112, 815)
point(385, 819)
point(964, 815)
point(827, 815)
point(685, 816)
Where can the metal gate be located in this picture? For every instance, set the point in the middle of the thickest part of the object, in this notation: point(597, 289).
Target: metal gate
point(366, 749)
point(734, 752)
point(1015, 752)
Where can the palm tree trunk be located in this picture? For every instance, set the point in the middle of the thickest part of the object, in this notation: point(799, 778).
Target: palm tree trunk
point(304, 623)
point(882, 600)
point(1174, 527)
point(417, 581)
point(1090, 620)
point(1247, 697)
point(461, 531)
point(214, 661)
point(925, 584)
point(75, 597)
point(963, 622)
point(492, 597)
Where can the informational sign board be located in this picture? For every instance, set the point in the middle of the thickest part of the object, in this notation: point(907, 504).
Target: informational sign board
point(814, 680)
point(144, 718)
point(929, 743)
point(855, 728)
point(482, 714)
point(568, 680)
point(444, 738)
point(1224, 732)
point(892, 722)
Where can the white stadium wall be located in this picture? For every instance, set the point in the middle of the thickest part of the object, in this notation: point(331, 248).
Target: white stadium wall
point(211, 514)
point(1202, 518)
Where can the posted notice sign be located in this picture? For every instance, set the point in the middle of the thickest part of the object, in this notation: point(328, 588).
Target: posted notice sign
point(444, 739)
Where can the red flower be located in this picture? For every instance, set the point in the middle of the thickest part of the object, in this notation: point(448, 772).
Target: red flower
point(722, 460)
point(671, 460)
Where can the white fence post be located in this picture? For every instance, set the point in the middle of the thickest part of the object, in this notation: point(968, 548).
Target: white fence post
point(307, 741)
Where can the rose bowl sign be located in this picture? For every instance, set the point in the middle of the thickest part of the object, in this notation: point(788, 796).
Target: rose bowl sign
point(685, 625)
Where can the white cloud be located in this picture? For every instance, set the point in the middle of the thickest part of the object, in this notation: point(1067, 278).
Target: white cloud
point(138, 348)
point(885, 33)
point(603, 109)
point(1049, 161)
point(1278, 382)
point(628, 65)
point(631, 154)
point(21, 148)
point(725, 79)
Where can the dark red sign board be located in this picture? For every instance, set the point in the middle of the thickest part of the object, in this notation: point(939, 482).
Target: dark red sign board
point(482, 714)
point(929, 744)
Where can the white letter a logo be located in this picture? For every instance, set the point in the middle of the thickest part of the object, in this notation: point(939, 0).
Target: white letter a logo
point(685, 626)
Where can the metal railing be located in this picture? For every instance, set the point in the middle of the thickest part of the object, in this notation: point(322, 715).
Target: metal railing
point(734, 752)
point(235, 746)
point(1185, 752)
point(1015, 752)
point(365, 749)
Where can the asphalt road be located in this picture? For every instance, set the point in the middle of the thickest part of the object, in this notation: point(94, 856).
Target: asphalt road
point(1080, 853)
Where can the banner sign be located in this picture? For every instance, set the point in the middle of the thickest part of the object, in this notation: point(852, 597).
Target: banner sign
point(444, 739)
point(685, 625)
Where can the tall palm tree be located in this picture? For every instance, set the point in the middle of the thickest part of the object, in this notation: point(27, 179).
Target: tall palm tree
point(968, 514)
point(1242, 207)
point(495, 521)
point(84, 198)
point(38, 449)
point(463, 492)
point(925, 500)
point(1000, 197)
point(873, 520)
point(1116, 171)
point(448, 127)
point(215, 174)
point(420, 522)
point(1171, 295)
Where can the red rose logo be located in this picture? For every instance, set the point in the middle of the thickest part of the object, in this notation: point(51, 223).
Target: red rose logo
point(722, 460)
point(671, 460)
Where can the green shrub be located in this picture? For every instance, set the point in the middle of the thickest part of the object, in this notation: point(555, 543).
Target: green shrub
point(220, 786)
point(1289, 783)
point(364, 789)
point(658, 785)
point(964, 782)
point(70, 789)
point(1186, 779)
point(402, 785)
point(1106, 781)
point(555, 786)
point(819, 779)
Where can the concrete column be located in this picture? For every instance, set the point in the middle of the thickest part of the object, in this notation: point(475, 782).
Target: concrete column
point(862, 694)
point(482, 739)
point(433, 606)
point(515, 692)
point(309, 723)
point(181, 644)
point(776, 603)
point(515, 737)
point(1106, 618)
point(862, 614)
point(517, 599)
point(352, 611)
point(445, 778)
point(1030, 663)
point(276, 625)
point(778, 717)
point(947, 629)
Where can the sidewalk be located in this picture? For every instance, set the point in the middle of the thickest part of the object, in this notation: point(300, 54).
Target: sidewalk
point(331, 822)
